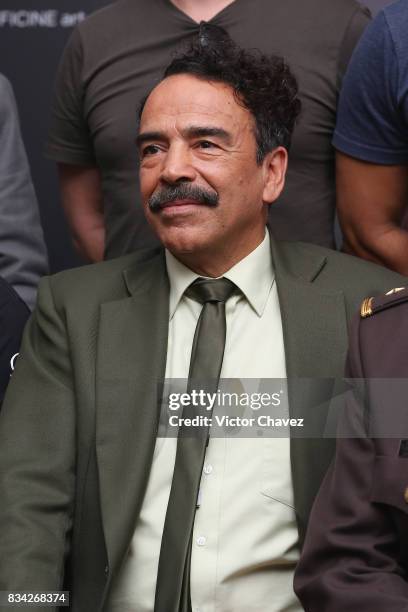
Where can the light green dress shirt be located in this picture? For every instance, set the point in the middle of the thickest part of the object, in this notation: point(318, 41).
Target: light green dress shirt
point(245, 540)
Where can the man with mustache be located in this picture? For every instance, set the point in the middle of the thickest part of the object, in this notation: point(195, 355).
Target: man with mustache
point(94, 497)
point(169, 194)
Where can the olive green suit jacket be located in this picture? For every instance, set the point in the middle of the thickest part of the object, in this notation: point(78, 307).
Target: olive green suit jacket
point(78, 426)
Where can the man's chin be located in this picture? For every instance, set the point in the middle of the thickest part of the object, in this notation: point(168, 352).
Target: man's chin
point(183, 242)
point(177, 249)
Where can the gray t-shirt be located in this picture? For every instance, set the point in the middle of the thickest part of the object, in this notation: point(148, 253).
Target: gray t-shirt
point(23, 254)
point(115, 57)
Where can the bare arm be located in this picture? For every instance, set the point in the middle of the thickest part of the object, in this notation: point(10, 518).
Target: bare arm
point(82, 201)
point(371, 201)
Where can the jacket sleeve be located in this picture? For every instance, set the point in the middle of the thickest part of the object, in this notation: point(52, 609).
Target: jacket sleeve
point(37, 456)
point(13, 316)
point(350, 559)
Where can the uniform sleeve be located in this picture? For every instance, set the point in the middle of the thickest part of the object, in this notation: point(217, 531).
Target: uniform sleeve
point(37, 455)
point(69, 139)
point(371, 122)
point(350, 560)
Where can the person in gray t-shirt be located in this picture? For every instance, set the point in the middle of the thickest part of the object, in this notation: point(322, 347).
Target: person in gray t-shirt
point(23, 256)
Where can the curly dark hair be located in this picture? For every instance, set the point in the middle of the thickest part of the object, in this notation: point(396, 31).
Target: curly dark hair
point(263, 84)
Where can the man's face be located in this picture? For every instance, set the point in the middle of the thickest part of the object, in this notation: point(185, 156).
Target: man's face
point(202, 190)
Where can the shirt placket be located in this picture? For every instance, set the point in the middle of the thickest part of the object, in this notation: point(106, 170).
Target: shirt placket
point(206, 533)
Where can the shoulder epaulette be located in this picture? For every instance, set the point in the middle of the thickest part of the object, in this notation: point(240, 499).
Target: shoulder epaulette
point(371, 305)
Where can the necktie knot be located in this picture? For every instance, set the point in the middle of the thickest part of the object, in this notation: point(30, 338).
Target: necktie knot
point(211, 290)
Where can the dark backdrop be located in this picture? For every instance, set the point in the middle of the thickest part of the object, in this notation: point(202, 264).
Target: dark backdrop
point(32, 36)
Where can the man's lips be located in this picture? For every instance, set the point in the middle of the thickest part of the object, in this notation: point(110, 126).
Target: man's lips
point(182, 203)
point(180, 208)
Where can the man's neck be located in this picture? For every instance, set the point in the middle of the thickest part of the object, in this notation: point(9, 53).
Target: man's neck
point(201, 10)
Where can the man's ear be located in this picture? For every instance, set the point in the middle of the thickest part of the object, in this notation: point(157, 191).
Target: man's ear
point(274, 166)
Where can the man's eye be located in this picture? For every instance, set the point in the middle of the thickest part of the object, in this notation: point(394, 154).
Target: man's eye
point(150, 150)
point(206, 144)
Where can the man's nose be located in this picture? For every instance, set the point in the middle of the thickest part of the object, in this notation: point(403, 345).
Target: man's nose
point(177, 165)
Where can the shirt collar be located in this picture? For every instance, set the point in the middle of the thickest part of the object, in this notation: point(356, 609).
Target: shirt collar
point(180, 278)
point(254, 275)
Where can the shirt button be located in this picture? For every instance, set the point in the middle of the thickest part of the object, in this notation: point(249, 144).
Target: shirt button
point(201, 541)
point(208, 469)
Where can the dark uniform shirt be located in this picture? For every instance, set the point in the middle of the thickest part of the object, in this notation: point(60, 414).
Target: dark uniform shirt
point(355, 555)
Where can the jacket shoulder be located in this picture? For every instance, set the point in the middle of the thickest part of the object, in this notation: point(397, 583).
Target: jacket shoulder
point(98, 282)
point(359, 278)
point(342, 270)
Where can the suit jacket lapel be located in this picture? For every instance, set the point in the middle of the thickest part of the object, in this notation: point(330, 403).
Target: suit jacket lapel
point(315, 336)
point(131, 360)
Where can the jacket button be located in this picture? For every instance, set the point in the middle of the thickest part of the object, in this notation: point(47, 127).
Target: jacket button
point(406, 495)
point(106, 570)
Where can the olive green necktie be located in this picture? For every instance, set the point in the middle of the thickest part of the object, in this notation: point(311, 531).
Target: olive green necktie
point(173, 577)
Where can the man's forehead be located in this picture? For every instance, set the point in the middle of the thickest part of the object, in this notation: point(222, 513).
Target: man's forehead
point(189, 99)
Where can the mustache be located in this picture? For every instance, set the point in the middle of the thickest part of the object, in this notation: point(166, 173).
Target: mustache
point(183, 191)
